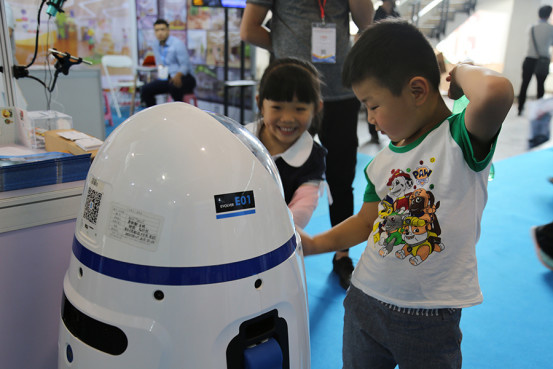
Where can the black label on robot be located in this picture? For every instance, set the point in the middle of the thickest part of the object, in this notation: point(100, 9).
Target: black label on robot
point(234, 201)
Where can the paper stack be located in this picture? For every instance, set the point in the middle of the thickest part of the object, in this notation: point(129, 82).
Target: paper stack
point(84, 141)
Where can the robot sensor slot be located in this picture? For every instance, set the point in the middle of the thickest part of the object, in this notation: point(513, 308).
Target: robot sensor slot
point(99, 335)
point(259, 330)
point(265, 336)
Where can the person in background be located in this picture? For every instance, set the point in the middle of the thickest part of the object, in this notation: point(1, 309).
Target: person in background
point(318, 31)
point(543, 240)
point(289, 101)
point(386, 10)
point(174, 72)
point(542, 236)
point(542, 33)
point(424, 199)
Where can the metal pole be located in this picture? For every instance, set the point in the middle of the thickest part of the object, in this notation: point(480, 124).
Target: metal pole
point(6, 56)
point(242, 77)
point(226, 64)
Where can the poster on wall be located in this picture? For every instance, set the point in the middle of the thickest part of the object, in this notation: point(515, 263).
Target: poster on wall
point(86, 29)
point(197, 46)
point(175, 13)
point(146, 15)
point(206, 45)
point(206, 19)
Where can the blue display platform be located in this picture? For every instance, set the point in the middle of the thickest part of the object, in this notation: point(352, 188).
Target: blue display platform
point(17, 172)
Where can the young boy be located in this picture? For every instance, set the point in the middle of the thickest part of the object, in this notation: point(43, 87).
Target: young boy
point(423, 202)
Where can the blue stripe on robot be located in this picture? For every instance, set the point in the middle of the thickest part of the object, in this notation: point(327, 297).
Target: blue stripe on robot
point(183, 276)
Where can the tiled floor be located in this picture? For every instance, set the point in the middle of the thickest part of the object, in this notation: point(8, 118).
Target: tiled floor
point(513, 139)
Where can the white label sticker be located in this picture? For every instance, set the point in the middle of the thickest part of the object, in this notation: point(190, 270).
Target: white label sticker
point(134, 227)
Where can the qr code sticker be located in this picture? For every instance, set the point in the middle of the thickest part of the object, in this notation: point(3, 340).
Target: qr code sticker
point(92, 205)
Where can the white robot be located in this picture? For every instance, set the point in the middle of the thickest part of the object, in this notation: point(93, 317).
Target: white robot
point(185, 254)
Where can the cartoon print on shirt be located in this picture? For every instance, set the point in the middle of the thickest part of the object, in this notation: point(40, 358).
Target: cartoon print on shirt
point(421, 204)
point(422, 174)
point(400, 183)
point(393, 227)
point(384, 210)
point(412, 223)
point(396, 200)
point(419, 241)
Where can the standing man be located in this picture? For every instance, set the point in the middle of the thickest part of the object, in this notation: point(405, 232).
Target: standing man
point(318, 31)
point(540, 40)
point(174, 72)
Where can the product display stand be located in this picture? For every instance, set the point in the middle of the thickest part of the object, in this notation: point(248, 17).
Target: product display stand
point(6, 56)
point(242, 83)
point(37, 226)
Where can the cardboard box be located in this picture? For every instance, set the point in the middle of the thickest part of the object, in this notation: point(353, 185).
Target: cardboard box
point(54, 142)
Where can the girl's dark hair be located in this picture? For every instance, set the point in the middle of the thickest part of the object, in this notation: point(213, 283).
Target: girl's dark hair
point(288, 77)
point(391, 51)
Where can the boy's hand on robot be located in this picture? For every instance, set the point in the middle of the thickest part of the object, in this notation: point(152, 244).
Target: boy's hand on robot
point(305, 241)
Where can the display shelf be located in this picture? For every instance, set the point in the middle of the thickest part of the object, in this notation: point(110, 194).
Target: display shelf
point(35, 206)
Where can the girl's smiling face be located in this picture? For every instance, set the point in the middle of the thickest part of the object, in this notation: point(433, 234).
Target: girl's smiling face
point(284, 122)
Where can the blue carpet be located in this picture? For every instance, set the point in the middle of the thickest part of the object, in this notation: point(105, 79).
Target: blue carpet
point(513, 328)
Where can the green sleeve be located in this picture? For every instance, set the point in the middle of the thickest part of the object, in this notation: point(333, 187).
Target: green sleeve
point(461, 136)
point(370, 192)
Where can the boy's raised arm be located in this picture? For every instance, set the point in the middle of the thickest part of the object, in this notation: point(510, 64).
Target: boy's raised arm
point(362, 13)
point(491, 97)
point(350, 232)
point(252, 29)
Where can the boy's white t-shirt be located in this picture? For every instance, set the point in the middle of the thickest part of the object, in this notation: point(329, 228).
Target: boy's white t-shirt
point(432, 194)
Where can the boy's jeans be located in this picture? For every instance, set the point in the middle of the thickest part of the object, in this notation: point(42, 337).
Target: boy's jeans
point(379, 337)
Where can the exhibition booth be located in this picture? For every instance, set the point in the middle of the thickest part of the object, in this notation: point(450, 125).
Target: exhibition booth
point(45, 155)
point(51, 268)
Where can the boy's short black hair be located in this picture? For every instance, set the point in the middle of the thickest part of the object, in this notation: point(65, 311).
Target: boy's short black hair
point(161, 21)
point(545, 12)
point(392, 52)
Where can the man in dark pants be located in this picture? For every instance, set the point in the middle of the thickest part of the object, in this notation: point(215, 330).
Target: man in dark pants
point(543, 36)
point(342, 141)
point(300, 28)
point(174, 73)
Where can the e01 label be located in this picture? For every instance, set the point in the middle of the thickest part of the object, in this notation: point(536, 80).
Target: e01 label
point(234, 201)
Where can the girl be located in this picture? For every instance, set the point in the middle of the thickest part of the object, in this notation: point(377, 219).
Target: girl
point(289, 101)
